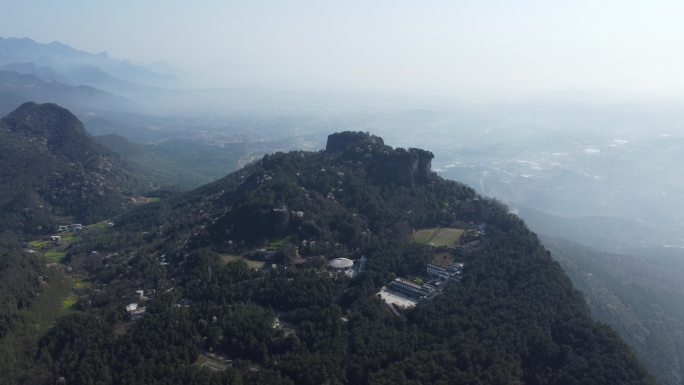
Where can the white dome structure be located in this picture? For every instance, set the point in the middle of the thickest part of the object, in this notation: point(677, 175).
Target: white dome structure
point(341, 264)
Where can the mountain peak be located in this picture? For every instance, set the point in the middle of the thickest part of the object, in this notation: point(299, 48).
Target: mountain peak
point(51, 166)
point(47, 119)
point(62, 132)
point(395, 165)
point(341, 141)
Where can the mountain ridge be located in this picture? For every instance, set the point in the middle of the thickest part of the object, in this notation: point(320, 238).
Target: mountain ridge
point(16, 88)
point(62, 57)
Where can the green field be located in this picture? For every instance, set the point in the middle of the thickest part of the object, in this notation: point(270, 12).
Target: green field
point(439, 236)
point(98, 226)
point(70, 238)
point(39, 244)
point(55, 256)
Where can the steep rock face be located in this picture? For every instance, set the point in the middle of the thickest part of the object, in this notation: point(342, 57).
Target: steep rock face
point(341, 141)
point(410, 166)
point(399, 166)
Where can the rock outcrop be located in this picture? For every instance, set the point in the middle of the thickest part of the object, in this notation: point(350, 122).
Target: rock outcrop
point(400, 166)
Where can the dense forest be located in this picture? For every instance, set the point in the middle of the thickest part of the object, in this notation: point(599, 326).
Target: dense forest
point(211, 318)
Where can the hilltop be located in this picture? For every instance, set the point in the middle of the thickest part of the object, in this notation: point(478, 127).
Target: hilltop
point(50, 167)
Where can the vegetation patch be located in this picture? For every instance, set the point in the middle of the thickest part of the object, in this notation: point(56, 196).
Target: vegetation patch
point(99, 226)
point(55, 256)
point(69, 302)
point(68, 238)
point(39, 244)
point(211, 363)
point(443, 259)
point(275, 245)
point(252, 264)
point(80, 284)
point(439, 236)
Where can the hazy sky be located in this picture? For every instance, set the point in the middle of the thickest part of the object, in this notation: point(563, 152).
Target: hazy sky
point(441, 47)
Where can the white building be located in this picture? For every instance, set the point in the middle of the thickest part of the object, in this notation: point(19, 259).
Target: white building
point(135, 311)
point(453, 272)
point(341, 264)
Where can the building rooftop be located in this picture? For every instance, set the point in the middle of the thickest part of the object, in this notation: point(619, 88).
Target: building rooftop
point(341, 263)
point(407, 282)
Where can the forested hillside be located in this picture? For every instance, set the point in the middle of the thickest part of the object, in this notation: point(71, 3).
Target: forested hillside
point(211, 318)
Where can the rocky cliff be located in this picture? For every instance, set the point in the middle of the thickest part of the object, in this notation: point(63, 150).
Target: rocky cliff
point(399, 166)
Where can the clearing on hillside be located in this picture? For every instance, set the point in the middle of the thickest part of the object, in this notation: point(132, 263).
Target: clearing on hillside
point(55, 256)
point(213, 362)
point(440, 236)
point(256, 265)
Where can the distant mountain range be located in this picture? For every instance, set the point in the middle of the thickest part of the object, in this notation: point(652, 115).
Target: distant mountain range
point(16, 88)
point(59, 62)
point(81, 81)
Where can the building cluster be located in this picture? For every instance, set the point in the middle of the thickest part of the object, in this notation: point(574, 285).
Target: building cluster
point(136, 311)
point(162, 260)
point(452, 273)
point(426, 288)
point(471, 239)
point(413, 289)
point(74, 227)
